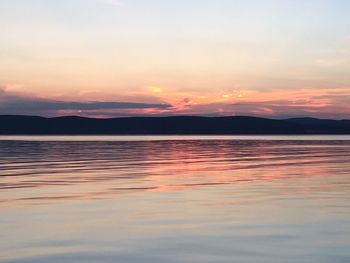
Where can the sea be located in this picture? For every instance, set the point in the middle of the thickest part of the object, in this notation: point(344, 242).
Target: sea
point(175, 199)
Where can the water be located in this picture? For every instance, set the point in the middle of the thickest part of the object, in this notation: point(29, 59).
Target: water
point(175, 199)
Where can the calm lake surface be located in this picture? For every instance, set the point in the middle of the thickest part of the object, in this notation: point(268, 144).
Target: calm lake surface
point(175, 199)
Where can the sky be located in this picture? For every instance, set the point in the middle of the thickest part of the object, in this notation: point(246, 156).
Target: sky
point(112, 58)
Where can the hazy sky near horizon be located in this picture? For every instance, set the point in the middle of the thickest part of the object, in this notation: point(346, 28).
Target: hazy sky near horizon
point(273, 58)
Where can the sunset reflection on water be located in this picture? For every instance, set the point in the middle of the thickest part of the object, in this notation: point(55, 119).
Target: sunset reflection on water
point(165, 200)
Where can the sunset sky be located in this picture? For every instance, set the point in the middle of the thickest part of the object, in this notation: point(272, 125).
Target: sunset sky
point(110, 58)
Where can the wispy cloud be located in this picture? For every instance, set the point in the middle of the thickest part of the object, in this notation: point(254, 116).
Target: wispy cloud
point(16, 103)
point(331, 103)
point(112, 2)
point(333, 62)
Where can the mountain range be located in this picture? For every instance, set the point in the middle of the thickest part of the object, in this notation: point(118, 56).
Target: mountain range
point(178, 125)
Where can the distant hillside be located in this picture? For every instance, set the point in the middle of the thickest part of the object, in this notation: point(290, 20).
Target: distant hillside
point(313, 125)
point(182, 125)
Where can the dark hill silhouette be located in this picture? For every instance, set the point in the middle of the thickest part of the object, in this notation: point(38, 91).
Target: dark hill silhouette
point(313, 125)
point(182, 125)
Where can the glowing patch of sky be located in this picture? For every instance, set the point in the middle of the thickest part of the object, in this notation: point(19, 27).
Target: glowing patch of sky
point(185, 53)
